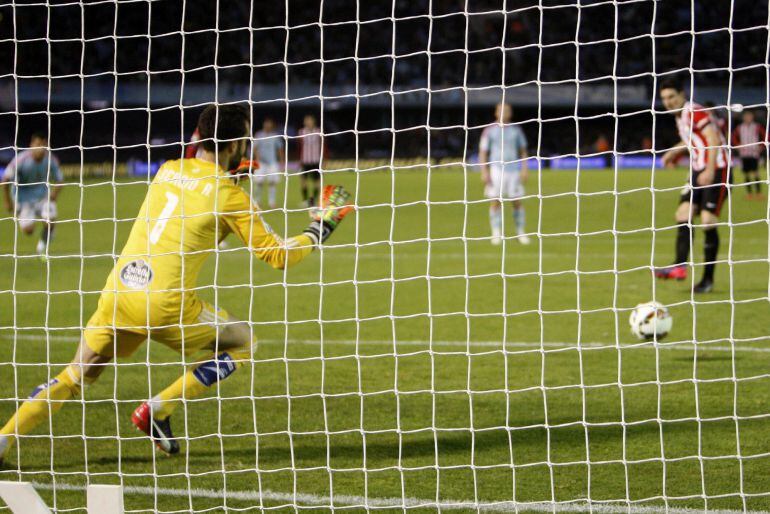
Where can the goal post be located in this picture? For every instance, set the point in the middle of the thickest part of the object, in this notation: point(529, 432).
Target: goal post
point(549, 294)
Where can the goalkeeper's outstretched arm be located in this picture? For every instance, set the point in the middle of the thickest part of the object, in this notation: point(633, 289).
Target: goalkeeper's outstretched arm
point(243, 219)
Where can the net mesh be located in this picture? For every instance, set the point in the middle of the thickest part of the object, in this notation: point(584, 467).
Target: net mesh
point(455, 344)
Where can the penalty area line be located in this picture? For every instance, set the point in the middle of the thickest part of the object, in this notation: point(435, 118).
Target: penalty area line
point(683, 346)
point(352, 501)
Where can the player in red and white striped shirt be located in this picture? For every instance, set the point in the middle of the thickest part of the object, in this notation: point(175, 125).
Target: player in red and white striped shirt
point(749, 139)
point(311, 150)
point(718, 118)
point(707, 187)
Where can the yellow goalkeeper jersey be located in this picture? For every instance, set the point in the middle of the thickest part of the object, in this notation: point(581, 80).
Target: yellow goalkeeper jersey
point(190, 207)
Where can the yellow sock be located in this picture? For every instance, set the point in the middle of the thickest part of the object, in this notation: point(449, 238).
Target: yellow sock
point(195, 382)
point(186, 386)
point(47, 399)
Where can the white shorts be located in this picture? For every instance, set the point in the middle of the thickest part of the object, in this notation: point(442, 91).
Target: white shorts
point(268, 172)
point(505, 185)
point(28, 213)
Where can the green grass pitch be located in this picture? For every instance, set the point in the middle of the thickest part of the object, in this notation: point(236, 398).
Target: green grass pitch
point(421, 362)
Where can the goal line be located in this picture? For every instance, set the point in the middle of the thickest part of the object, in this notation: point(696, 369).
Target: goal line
point(715, 345)
point(306, 500)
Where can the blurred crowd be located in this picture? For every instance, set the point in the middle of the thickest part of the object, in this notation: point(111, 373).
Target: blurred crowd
point(399, 44)
point(410, 43)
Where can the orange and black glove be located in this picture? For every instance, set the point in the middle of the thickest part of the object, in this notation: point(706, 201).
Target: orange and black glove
point(334, 206)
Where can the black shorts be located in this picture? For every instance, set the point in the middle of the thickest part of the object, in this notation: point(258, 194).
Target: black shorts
point(312, 171)
point(707, 198)
point(749, 164)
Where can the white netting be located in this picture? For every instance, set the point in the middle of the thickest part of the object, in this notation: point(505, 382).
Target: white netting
point(426, 356)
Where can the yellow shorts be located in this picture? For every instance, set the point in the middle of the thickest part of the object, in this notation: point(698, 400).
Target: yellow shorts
point(105, 337)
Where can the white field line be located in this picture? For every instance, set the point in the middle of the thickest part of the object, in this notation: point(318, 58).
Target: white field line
point(685, 346)
point(240, 253)
point(349, 501)
point(474, 255)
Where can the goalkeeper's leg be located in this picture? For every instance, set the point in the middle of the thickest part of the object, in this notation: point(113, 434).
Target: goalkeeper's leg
point(230, 349)
point(48, 398)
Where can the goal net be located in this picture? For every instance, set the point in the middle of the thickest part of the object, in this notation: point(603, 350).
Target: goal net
point(461, 341)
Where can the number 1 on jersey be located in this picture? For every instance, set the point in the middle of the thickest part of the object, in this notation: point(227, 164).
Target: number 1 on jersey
point(172, 201)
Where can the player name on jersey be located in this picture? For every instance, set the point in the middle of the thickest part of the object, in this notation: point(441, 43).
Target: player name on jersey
point(183, 181)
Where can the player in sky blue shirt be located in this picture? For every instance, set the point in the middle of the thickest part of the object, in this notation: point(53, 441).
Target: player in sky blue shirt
point(503, 159)
point(27, 188)
point(268, 150)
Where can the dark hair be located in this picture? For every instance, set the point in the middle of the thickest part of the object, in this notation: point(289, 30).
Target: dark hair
point(229, 121)
point(670, 83)
point(39, 134)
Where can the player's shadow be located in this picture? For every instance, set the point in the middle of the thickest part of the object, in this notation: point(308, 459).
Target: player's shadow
point(708, 356)
point(528, 445)
point(203, 453)
point(444, 448)
point(379, 451)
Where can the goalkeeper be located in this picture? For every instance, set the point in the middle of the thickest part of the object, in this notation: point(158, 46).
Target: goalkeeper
point(190, 206)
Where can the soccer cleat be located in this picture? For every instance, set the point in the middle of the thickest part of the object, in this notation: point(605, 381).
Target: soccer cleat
point(497, 237)
point(674, 272)
point(42, 251)
point(159, 430)
point(523, 239)
point(704, 286)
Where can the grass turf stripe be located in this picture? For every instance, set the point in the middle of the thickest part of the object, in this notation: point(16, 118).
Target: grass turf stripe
point(352, 501)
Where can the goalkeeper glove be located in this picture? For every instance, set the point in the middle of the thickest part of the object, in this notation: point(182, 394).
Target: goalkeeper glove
point(244, 168)
point(333, 208)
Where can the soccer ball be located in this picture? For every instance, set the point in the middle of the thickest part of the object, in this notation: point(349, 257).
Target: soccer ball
point(650, 320)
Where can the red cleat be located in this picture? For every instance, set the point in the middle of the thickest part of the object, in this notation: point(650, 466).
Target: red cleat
point(159, 430)
point(675, 272)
